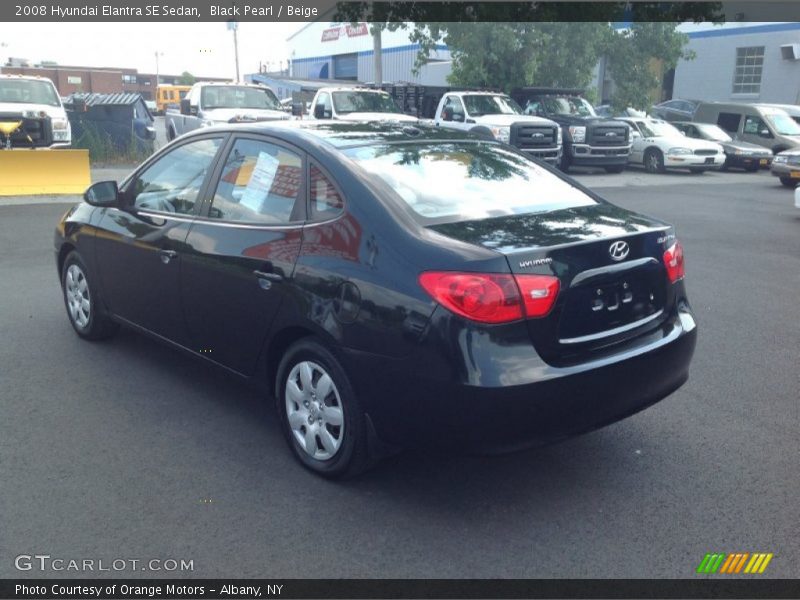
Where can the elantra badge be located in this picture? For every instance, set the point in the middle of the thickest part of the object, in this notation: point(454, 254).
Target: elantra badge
point(619, 250)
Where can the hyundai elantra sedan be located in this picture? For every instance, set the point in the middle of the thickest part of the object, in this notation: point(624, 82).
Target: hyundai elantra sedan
point(388, 285)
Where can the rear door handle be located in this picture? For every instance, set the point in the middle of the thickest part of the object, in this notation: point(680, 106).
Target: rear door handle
point(268, 276)
point(167, 255)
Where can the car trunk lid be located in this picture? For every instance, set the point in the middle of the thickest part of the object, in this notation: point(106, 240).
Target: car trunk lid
point(609, 262)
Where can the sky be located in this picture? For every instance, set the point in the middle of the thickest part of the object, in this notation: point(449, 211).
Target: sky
point(203, 49)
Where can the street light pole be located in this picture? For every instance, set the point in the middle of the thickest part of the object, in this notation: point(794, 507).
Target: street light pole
point(233, 26)
point(157, 55)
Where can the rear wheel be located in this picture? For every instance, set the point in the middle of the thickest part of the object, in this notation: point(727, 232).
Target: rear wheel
point(320, 414)
point(654, 161)
point(789, 182)
point(615, 169)
point(84, 309)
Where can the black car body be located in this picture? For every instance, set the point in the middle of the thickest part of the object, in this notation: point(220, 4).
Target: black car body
point(589, 140)
point(675, 110)
point(478, 327)
point(738, 154)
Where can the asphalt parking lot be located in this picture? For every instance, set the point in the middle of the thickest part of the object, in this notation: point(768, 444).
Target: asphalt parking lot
point(127, 449)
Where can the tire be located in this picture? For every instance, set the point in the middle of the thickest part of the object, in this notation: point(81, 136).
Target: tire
point(753, 169)
point(615, 169)
point(483, 132)
point(654, 161)
point(789, 182)
point(84, 308)
point(327, 435)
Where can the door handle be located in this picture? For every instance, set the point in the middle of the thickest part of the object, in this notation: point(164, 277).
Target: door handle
point(167, 255)
point(268, 276)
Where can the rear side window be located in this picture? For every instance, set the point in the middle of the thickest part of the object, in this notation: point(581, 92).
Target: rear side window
point(460, 181)
point(260, 183)
point(729, 121)
point(326, 202)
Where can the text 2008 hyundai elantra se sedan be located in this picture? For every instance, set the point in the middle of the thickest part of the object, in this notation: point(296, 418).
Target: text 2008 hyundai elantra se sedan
point(391, 285)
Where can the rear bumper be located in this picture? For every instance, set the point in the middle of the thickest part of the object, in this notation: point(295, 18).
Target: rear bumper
point(530, 402)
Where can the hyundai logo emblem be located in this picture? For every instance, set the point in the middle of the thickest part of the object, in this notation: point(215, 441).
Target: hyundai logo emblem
point(619, 250)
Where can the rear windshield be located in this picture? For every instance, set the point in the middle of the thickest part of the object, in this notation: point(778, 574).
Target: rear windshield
point(462, 181)
point(231, 96)
point(25, 91)
point(350, 102)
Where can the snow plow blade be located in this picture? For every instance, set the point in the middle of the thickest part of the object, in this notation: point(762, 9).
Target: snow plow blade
point(31, 172)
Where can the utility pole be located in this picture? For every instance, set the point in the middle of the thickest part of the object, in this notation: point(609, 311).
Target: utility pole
point(157, 55)
point(234, 26)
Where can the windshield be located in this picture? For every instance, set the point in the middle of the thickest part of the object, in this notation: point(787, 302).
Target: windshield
point(482, 104)
point(350, 102)
point(783, 124)
point(25, 91)
point(712, 132)
point(658, 129)
point(561, 105)
point(461, 181)
point(232, 96)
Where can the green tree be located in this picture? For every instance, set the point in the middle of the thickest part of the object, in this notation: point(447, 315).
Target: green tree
point(633, 55)
point(186, 78)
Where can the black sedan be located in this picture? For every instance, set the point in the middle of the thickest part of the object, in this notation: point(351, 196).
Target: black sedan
point(738, 154)
point(389, 285)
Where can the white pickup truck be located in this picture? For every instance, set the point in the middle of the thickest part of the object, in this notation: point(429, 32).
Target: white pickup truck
point(32, 113)
point(357, 104)
point(209, 104)
point(497, 115)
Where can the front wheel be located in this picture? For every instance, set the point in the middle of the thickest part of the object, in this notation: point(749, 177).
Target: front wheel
point(84, 309)
point(654, 161)
point(789, 182)
point(320, 414)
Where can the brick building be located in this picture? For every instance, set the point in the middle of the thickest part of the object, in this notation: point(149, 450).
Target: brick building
point(99, 80)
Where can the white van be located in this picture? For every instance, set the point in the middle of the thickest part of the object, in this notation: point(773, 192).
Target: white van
point(760, 124)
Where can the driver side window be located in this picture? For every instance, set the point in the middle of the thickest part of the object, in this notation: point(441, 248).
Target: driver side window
point(172, 183)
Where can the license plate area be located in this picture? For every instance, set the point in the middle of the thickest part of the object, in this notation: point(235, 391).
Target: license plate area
point(710, 160)
point(608, 307)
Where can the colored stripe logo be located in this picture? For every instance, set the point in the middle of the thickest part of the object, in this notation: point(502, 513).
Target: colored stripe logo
point(735, 563)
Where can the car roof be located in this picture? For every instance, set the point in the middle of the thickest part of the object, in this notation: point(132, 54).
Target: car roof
point(343, 134)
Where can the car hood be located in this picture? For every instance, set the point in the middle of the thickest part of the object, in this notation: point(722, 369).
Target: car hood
point(744, 146)
point(378, 116)
point(680, 141)
point(508, 120)
point(244, 115)
point(14, 108)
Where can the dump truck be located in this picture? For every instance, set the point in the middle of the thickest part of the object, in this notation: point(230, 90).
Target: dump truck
point(35, 137)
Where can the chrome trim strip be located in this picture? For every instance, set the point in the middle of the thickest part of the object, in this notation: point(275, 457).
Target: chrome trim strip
point(610, 332)
point(615, 268)
point(205, 221)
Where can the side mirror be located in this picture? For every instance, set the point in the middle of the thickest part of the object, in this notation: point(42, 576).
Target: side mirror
point(320, 112)
point(102, 193)
point(297, 109)
point(186, 109)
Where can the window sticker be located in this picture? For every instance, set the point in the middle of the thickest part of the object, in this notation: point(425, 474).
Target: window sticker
point(260, 182)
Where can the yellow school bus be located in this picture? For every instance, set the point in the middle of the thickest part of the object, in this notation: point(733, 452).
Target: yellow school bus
point(170, 96)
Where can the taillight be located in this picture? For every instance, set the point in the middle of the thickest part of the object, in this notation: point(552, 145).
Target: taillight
point(491, 297)
point(673, 261)
point(538, 292)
